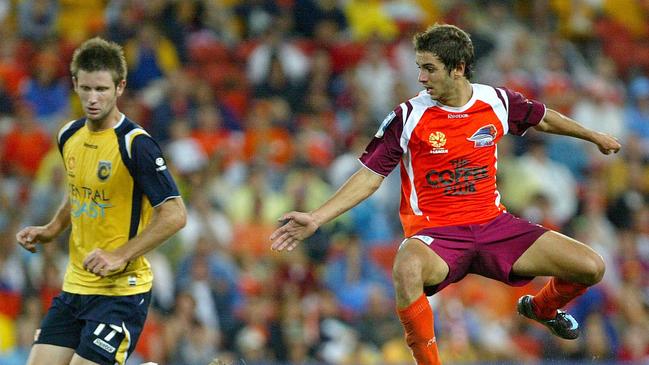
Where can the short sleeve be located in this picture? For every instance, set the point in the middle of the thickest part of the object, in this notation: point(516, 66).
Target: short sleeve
point(150, 171)
point(384, 151)
point(523, 113)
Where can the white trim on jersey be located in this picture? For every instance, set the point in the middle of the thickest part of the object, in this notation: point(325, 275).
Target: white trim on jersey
point(480, 92)
point(365, 166)
point(502, 111)
point(167, 198)
point(128, 138)
point(497, 201)
point(458, 109)
point(121, 120)
point(63, 130)
point(419, 106)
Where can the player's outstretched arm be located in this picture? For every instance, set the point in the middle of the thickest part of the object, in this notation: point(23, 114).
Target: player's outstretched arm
point(300, 226)
point(168, 218)
point(28, 237)
point(557, 123)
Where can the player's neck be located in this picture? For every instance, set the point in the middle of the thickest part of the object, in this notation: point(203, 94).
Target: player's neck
point(108, 122)
point(461, 93)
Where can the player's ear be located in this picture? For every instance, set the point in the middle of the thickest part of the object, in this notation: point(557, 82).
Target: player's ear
point(459, 70)
point(119, 88)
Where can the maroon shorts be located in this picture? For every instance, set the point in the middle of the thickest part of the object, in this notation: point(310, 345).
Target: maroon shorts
point(489, 249)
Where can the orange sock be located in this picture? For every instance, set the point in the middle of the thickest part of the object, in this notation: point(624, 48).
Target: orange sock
point(418, 322)
point(555, 295)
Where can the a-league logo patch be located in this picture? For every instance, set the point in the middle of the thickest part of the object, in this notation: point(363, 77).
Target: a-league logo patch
point(103, 170)
point(484, 137)
point(437, 140)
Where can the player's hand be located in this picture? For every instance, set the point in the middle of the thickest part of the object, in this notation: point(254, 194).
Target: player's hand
point(103, 263)
point(298, 227)
point(607, 143)
point(28, 237)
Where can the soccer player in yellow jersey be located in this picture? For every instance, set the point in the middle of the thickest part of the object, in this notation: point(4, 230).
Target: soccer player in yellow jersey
point(121, 203)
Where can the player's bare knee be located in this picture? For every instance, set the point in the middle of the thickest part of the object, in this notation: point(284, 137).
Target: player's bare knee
point(407, 280)
point(594, 270)
point(598, 269)
point(406, 269)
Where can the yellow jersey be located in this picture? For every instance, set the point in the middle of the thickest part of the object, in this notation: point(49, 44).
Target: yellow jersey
point(115, 177)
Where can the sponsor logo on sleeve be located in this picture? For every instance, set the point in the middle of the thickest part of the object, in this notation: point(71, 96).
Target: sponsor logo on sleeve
point(160, 163)
point(384, 124)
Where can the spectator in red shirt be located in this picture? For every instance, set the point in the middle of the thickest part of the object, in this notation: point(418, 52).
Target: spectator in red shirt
point(26, 143)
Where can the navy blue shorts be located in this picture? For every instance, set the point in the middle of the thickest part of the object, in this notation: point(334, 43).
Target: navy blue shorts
point(100, 328)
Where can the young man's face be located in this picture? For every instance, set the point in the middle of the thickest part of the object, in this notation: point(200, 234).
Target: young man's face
point(434, 76)
point(98, 93)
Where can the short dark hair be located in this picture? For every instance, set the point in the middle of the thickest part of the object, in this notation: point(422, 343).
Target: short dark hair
point(450, 44)
point(98, 54)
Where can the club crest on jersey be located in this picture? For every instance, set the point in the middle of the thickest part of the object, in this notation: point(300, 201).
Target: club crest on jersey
point(103, 170)
point(71, 164)
point(484, 137)
point(437, 140)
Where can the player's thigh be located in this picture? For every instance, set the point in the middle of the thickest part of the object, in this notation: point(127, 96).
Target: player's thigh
point(555, 254)
point(49, 354)
point(78, 360)
point(415, 259)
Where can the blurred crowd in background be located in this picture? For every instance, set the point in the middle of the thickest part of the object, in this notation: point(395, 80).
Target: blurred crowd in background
point(263, 107)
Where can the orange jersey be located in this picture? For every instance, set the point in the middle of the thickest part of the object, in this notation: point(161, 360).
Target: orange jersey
point(448, 155)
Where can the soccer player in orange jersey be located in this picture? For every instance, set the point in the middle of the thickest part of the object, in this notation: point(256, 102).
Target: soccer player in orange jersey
point(444, 141)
